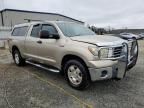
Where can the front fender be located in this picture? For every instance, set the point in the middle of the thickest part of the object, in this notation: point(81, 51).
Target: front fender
point(133, 54)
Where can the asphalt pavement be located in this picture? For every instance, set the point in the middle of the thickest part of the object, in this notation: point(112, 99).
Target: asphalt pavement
point(33, 87)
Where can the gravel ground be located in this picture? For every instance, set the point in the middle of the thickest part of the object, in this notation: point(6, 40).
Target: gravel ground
point(32, 87)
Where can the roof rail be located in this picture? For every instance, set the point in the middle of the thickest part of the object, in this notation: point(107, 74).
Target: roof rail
point(30, 20)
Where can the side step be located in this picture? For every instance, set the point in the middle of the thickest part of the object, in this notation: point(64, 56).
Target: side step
point(43, 67)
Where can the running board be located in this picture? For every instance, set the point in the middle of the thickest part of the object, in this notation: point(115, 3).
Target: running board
point(43, 67)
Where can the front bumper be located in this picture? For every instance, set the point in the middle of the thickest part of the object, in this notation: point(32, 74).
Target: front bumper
point(108, 69)
point(114, 68)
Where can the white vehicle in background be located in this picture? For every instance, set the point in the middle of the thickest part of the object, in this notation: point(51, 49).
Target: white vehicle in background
point(129, 35)
point(141, 35)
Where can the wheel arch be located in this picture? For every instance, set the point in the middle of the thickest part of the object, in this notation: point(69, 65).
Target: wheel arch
point(73, 57)
point(14, 47)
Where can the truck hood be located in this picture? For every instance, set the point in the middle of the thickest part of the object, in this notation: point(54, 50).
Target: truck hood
point(100, 40)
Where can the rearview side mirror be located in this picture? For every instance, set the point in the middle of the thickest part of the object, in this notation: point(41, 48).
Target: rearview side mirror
point(55, 36)
point(44, 34)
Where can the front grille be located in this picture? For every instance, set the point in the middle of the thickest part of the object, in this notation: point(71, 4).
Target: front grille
point(117, 51)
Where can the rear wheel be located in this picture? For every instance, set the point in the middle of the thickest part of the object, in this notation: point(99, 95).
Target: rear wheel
point(18, 58)
point(77, 74)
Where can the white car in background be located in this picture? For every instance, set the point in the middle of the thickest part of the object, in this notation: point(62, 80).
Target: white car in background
point(129, 35)
point(141, 35)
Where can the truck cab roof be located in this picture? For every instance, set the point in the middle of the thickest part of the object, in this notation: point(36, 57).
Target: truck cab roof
point(37, 22)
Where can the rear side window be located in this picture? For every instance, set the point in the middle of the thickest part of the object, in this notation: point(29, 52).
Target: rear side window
point(35, 30)
point(20, 31)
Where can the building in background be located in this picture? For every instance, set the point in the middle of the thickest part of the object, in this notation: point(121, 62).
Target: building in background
point(11, 17)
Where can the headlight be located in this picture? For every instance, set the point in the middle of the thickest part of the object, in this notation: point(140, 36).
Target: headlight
point(104, 53)
point(101, 53)
point(94, 50)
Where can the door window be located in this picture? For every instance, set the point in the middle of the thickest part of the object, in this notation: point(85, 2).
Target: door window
point(35, 30)
point(51, 29)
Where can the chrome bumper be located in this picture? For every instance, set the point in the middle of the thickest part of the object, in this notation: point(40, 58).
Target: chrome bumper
point(117, 70)
point(109, 68)
point(114, 67)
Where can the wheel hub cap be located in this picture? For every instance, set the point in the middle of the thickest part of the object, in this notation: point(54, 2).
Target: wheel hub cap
point(17, 58)
point(74, 75)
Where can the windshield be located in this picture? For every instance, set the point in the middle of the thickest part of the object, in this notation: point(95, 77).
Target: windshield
point(73, 29)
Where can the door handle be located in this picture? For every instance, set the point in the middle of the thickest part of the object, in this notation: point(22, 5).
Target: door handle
point(40, 42)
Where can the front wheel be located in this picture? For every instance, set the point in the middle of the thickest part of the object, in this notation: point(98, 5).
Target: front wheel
point(77, 74)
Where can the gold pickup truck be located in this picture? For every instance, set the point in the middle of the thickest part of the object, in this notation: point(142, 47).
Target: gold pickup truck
point(74, 50)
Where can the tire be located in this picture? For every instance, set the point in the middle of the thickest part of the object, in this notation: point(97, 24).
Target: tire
point(19, 61)
point(76, 74)
point(136, 57)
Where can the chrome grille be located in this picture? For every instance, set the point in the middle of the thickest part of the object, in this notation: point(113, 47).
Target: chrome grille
point(117, 51)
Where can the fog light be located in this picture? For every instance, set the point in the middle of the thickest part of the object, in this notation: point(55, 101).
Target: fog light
point(104, 73)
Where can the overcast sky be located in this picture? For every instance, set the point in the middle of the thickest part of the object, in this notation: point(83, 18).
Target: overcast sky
point(102, 13)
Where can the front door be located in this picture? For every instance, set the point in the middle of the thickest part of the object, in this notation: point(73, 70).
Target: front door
point(48, 48)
